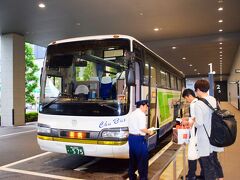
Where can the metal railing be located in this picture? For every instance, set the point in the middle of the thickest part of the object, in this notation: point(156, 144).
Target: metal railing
point(172, 162)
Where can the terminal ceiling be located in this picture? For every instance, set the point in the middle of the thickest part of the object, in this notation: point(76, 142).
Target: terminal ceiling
point(189, 25)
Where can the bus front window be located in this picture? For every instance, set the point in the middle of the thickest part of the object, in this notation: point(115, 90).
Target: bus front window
point(88, 82)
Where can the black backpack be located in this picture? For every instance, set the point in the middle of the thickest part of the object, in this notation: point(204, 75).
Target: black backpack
point(223, 127)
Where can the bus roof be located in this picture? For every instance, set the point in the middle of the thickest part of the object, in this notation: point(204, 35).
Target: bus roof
point(98, 37)
point(101, 37)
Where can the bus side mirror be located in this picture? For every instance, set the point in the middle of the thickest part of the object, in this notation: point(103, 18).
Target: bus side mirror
point(130, 76)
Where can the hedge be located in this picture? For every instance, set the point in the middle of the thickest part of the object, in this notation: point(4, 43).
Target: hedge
point(31, 116)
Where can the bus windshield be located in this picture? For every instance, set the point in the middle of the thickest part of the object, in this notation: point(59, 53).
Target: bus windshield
point(85, 78)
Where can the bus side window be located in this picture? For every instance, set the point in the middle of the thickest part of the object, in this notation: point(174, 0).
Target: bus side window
point(163, 78)
point(179, 84)
point(168, 79)
point(173, 82)
point(146, 73)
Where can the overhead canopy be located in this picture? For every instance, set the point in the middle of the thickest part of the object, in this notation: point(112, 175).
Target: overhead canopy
point(191, 26)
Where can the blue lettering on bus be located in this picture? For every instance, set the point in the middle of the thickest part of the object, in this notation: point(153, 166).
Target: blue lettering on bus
point(116, 120)
point(109, 123)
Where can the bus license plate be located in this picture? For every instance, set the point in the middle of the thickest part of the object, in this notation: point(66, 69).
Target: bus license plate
point(75, 150)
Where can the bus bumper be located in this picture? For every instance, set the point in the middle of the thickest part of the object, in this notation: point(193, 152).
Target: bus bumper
point(96, 150)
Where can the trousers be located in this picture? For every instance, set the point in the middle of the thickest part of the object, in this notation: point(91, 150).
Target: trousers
point(192, 167)
point(138, 157)
point(212, 167)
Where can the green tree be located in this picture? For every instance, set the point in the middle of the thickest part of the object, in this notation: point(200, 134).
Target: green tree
point(84, 73)
point(88, 71)
point(31, 80)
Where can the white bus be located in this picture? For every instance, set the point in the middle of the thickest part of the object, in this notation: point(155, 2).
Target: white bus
point(90, 84)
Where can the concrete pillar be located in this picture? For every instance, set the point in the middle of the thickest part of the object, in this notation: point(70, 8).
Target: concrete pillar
point(211, 82)
point(13, 80)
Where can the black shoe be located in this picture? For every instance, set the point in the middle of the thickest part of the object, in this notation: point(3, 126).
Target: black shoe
point(200, 177)
point(191, 178)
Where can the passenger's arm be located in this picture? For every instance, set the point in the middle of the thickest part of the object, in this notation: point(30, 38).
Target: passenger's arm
point(198, 115)
point(188, 121)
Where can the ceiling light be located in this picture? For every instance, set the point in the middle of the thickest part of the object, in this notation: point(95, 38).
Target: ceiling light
point(198, 73)
point(220, 21)
point(220, 8)
point(220, 47)
point(156, 29)
point(41, 5)
point(184, 58)
point(141, 14)
point(220, 1)
point(220, 55)
point(220, 43)
point(190, 65)
point(220, 51)
point(174, 47)
point(220, 30)
point(195, 69)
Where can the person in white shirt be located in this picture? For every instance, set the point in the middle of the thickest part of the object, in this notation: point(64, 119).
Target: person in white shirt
point(189, 96)
point(138, 151)
point(206, 151)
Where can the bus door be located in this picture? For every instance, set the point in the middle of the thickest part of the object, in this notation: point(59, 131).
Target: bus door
point(149, 93)
point(137, 82)
point(146, 85)
point(153, 97)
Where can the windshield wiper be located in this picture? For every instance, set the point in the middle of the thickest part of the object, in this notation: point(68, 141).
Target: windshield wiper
point(60, 95)
point(110, 107)
point(51, 102)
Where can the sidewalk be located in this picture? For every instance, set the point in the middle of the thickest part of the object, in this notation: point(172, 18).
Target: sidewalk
point(5, 130)
point(230, 158)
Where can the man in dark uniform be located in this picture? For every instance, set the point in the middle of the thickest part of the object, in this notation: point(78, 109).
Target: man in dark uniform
point(138, 151)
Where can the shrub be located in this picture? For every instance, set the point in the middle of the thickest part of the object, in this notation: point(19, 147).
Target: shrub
point(31, 116)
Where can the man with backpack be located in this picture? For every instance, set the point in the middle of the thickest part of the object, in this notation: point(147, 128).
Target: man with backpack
point(203, 114)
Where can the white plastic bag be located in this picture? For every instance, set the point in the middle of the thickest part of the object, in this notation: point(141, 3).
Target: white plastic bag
point(181, 135)
point(192, 146)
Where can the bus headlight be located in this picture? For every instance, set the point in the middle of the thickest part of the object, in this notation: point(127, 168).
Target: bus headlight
point(43, 129)
point(115, 133)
